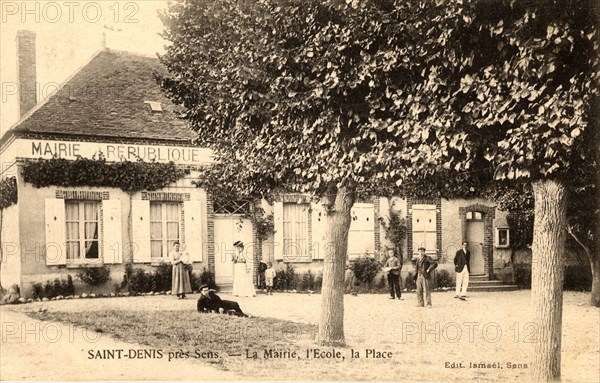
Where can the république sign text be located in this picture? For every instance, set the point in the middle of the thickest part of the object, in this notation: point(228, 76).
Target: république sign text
point(28, 148)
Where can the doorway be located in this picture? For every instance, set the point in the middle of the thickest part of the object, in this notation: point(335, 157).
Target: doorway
point(475, 237)
point(228, 229)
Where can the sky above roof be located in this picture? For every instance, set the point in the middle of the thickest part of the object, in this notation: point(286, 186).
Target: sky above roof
point(68, 34)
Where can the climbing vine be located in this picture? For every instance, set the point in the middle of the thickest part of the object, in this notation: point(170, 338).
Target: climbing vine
point(395, 230)
point(125, 175)
point(265, 225)
point(8, 192)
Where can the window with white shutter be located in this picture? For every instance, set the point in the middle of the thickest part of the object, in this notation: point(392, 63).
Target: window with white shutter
point(295, 231)
point(318, 229)
point(192, 212)
point(164, 228)
point(82, 220)
point(55, 231)
point(424, 229)
point(112, 231)
point(361, 236)
point(140, 217)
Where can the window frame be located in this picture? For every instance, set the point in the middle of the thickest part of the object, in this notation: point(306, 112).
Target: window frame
point(473, 216)
point(166, 241)
point(497, 238)
point(304, 246)
point(81, 221)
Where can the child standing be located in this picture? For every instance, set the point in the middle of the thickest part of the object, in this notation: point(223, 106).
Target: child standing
point(269, 276)
point(350, 281)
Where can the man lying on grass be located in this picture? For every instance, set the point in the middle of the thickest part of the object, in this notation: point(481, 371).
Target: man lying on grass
point(211, 302)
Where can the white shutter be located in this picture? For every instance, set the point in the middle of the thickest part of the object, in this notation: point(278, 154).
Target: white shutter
point(431, 242)
point(55, 232)
point(361, 236)
point(278, 236)
point(192, 212)
point(430, 231)
point(112, 231)
point(140, 225)
point(424, 228)
point(318, 228)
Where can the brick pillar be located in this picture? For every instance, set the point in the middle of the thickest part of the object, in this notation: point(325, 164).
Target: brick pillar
point(409, 229)
point(377, 229)
point(26, 71)
point(489, 240)
point(210, 232)
point(257, 243)
point(438, 227)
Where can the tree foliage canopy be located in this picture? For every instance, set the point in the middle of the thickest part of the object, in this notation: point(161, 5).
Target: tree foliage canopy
point(312, 95)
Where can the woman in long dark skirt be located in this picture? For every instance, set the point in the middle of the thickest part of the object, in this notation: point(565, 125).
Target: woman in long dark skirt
point(181, 278)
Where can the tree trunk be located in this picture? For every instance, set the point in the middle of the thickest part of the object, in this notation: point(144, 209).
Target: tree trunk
point(595, 301)
point(547, 274)
point(331, 323)
point(595, 254)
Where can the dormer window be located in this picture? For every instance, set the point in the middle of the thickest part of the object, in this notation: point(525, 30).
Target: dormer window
point(155, 107)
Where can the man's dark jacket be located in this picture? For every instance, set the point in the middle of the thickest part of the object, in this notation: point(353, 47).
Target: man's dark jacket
point(461, 259)
point(424, 265)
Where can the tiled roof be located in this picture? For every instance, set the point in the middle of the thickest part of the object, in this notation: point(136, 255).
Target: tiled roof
point(106, 98)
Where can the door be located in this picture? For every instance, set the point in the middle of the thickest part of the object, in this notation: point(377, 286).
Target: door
point(228, 229)
point(475, 237)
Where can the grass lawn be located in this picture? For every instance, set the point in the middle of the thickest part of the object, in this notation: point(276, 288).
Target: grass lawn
point(486, 338)
point(219, 340)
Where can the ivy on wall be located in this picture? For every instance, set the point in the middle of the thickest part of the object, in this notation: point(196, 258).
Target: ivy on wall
point(128, 176)
point(395, 230)
point(265, 226)
point(8, 192)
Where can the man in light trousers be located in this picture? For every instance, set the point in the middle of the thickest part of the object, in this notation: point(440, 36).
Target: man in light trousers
point(462, 268)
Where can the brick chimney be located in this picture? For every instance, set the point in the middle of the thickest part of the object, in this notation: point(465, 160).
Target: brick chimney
point(26, 71)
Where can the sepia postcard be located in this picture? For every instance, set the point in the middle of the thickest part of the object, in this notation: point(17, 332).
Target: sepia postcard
point(268, 190)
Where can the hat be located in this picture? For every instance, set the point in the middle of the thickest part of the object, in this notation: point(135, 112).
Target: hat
point(421, 248)
point(203, 286)
point(238, 244)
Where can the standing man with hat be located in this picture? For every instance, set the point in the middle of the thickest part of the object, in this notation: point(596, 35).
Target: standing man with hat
point(424, 266)
point(393, 266)
point(462, 268)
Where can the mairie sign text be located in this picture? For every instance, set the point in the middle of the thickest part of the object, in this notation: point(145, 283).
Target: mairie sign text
point(27, 148)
